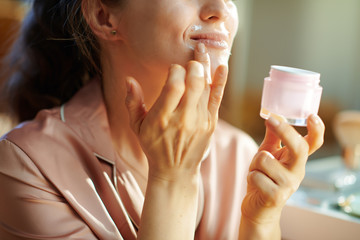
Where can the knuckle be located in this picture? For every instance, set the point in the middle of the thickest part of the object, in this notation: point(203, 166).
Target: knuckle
point(302, 148)
point(291, 185)
point(177, 70)
point(280, 197)
point(272, 197)
point(185, 126)
point(195, 68)
point(293, 188)
point(194, 64)
point(177, 88)
point(196, 84)
point(162, 123)
point(262, 159)
point(251, 177)
point(305, 146)
point(282, 179)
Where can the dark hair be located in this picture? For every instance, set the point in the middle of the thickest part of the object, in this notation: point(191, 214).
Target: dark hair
point(55, 55)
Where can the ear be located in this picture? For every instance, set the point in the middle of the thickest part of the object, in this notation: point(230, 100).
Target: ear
point(100, 19)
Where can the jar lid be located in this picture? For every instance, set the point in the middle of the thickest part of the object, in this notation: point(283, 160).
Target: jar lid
point(283, 73)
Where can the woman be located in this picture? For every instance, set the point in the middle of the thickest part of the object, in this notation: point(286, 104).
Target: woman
point(138, 152)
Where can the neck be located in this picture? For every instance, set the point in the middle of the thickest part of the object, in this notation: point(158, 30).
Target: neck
point(124, 139)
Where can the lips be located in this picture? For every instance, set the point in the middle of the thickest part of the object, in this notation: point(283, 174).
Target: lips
point(212, 40)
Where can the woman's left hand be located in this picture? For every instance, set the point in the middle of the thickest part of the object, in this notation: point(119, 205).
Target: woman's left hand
point(277, 171)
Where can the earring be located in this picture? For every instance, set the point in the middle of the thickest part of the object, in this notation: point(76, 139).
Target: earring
point(113, 32)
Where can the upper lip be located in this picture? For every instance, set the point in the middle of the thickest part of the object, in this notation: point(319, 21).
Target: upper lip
point(215, 36)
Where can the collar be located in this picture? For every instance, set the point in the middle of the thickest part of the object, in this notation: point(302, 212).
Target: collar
point(86, 115)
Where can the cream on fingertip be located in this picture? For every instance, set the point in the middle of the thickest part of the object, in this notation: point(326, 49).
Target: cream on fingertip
point(201, 48)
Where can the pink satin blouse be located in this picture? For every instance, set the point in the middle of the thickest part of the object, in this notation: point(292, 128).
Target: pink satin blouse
point(60, 178)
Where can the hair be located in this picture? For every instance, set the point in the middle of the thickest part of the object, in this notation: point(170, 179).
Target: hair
point(55, 54)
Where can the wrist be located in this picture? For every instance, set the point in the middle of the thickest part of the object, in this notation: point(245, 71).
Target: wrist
point(259, 223)
point(258, 229)
point(174, 176)
point(170, 201)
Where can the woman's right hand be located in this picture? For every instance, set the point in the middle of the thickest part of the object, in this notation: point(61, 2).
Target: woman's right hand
point(174, 135)
point(176, 131)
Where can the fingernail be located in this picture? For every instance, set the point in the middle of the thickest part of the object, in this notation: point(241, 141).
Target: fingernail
point(197, 69)
point(273, 121)
point(128, 84)
point(201, 48)
point(315, 118)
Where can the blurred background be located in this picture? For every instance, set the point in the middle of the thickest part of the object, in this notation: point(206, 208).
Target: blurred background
point(317, 35)
point(11, 14)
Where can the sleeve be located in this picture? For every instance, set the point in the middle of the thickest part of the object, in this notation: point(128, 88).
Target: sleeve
point(225, 183)
point(30, 206)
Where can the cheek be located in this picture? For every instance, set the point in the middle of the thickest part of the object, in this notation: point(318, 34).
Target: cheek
point(159, 36)
point(168, 46)
point(233, 21)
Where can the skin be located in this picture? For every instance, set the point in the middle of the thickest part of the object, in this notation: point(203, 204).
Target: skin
point(163, 81)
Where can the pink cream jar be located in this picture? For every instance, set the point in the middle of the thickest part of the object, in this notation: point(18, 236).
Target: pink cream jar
point(291, 93)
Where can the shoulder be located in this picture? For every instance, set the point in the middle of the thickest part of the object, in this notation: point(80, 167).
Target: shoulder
point(19, 171)
point(39, 130)
point(41, 140)
point(18, 147)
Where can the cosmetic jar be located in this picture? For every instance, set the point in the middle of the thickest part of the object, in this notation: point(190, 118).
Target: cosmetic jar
point(291, 93)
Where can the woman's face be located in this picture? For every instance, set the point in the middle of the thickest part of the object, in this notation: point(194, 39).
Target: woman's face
point(158, 33)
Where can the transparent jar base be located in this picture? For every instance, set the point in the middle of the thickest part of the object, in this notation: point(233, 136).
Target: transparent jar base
point(300, 122)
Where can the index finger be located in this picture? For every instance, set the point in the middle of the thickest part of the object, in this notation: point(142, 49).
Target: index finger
point(296, 145)
point(201, 55)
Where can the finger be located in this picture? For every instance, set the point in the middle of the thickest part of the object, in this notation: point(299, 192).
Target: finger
point(266, 163)
point(201, 55)
point(295, 143)
point(172, 91)
point(217, 90)
point(315, 136)
point(194, 86)
point(135, 104)
point(265, 186)
point(271, 141)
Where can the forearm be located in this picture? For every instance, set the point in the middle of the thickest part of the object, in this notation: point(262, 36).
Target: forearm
point(250, 230)
point(170, 209)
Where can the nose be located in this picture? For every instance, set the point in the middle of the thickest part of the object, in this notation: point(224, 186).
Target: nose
point(214, 10)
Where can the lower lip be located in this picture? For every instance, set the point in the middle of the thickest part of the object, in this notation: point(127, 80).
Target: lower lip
point(210, 43)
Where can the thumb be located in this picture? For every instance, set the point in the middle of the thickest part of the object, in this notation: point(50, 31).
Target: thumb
point(135, 104)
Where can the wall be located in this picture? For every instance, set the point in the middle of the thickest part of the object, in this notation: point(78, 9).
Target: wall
point(318, 35)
